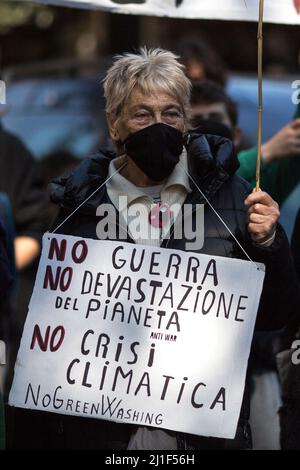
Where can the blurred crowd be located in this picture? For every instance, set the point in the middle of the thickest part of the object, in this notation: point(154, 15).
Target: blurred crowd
point(26, 213)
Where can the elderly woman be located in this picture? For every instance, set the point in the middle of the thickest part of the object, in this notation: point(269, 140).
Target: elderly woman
point(157, 165)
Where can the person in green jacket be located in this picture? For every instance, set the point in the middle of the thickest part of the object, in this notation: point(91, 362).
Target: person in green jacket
point(213, 111)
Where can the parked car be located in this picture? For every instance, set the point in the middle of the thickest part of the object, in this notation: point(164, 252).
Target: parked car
point(57, 107)
point(278, 110)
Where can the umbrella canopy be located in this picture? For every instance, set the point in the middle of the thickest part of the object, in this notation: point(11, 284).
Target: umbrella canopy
point(275, 11)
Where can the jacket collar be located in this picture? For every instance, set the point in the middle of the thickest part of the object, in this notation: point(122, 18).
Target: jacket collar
point(211, 162)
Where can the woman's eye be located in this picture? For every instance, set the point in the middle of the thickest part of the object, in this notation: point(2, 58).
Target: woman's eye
point(141, 115)
point(171, 117)
point(172, 114)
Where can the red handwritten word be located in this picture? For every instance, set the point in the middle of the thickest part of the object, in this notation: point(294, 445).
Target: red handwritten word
point(59, 250)
point(62, 278)
point(43, 341)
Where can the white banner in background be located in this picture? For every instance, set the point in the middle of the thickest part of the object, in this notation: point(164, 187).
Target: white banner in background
point(137, 334)
point(275, 11)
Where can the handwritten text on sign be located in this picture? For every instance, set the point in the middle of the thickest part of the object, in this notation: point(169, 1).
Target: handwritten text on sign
point(138, 334)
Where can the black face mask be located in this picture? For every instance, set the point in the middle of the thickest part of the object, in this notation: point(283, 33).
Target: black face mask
point(155, 150)
point(205, 126)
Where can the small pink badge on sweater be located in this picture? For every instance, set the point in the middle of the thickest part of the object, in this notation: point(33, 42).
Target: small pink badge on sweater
point(160, 215)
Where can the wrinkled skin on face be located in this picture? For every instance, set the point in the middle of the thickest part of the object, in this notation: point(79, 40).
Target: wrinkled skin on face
point(140, 111)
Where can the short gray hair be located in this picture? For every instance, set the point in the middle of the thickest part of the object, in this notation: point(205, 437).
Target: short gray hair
point(148, 71)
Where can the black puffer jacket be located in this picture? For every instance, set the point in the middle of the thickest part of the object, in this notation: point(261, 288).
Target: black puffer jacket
point(212, 164)
point(5, 272)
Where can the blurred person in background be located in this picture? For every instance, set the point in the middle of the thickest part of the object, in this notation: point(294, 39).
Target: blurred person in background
point(5, 284)
point(296, 243)
point(201, 61)
point(280, 163)
point(214, 112)
point(21, 182)
point(289, 367)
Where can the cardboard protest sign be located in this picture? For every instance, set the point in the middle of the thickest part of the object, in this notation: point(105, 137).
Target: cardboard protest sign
point(138, 334)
